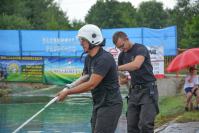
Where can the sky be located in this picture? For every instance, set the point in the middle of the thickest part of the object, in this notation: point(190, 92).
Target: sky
point(77, 9)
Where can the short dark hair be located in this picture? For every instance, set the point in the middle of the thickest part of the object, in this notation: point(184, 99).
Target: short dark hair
point(117, 35)
point(192, 68)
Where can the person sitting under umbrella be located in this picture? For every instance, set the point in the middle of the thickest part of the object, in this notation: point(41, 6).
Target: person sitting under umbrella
point(191, 88)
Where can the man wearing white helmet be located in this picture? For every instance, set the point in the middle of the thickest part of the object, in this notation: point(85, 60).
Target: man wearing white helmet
point(102, 81)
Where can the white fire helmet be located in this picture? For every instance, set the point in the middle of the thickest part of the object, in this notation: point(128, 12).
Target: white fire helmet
point(92, 33)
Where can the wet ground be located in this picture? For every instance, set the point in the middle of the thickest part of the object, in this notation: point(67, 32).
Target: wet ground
point(189, 127)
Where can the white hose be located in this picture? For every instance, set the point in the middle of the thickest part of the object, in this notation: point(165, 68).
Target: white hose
point(75, 83)
point(27, 121)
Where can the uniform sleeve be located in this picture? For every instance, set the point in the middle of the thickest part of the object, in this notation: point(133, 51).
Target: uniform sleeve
point(120, 62)
point(102, 66)
point(142, 51)
point(85, 69)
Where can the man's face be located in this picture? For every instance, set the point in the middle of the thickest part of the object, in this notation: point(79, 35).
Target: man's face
point(122, 45)
point(85, 44)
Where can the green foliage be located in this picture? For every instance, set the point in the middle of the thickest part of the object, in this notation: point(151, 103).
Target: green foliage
point(191, 31)
point(54, 19)
point(14, 7)
point(189, 116)
point(151, 14)
point(30, 14)
point(77, 24)
point(14, 22)
point(171, 105)
point(112, 14)
point(182, 12)
point(172, 109)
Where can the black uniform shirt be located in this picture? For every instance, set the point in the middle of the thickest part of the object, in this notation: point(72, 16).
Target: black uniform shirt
point(145, 73)
point(107, 92)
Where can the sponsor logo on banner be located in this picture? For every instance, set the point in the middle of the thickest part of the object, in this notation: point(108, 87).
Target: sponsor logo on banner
point(157, 60)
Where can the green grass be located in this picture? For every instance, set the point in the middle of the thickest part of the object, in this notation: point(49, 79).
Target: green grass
point(24, 77)
point(60, 79)
point(172, 109)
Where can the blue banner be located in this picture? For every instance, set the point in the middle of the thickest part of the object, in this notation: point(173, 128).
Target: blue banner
point(65, 43)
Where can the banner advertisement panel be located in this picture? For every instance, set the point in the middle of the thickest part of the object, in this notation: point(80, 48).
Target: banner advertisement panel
point(62, 70)
point(157, 60)
point(25, 69)
point(65, 42)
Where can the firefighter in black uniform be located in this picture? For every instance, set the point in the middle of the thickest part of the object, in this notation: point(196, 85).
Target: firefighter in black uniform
point(143, 93)
point(103, 81)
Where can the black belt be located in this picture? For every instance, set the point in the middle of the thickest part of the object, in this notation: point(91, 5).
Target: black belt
point(143, 86)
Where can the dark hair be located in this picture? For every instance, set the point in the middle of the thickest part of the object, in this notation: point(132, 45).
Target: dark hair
point(118, 35)
point(191, 69)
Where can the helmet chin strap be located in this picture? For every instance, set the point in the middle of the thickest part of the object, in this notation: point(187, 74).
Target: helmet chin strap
point(91, 46)
point(103, 42)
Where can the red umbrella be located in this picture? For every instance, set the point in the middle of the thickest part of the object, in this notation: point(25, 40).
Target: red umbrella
point(186, 59)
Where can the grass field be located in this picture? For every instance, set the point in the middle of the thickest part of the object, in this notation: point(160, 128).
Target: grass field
point(172, 109)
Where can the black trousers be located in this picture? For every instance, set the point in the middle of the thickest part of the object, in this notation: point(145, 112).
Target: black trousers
point(105, 119)
point(142, 110)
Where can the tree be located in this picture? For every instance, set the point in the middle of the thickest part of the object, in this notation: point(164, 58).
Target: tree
point(151, 14)
point(13, 7)
point(46, 15)
point(14, 22)
point(191, 31)
point(55, 19)
point(77, 24)
point(182, 12)
point(13, 15)
point(39, 14)
point(111, 14)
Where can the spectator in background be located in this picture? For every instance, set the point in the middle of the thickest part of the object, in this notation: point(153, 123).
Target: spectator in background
point(191, 89)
